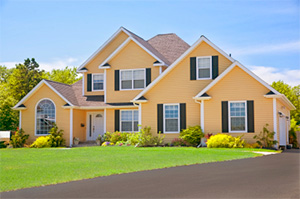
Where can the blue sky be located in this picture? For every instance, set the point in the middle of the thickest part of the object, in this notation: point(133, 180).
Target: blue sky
point(263, 35)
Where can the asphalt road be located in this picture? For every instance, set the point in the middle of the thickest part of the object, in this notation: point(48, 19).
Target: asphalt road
point(272, 176)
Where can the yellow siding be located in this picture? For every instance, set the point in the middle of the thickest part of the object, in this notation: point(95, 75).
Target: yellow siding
point(28, 115)
point(93, 66)
point(130, 57)
point(79, 117)
point(176, 87)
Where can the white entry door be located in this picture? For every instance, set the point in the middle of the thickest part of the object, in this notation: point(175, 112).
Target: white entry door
point(95, 125)
point(282, 131)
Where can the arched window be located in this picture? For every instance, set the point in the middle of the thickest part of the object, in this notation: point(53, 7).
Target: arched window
point(45, 116)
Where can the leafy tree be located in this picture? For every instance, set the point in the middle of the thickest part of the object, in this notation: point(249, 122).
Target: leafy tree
point(66, 76)
point(293, 94)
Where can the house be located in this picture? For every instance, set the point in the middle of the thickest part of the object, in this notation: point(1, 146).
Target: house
point(163, 83)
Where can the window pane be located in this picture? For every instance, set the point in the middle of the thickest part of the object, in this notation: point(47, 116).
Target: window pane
point(136, 115)
point(171, 111)
point(126, 126)
point(238, 124)
point(126, 75)
point(204, 73)
point(139, 74)
point(135, 126)
point(126, 115)
point(45, 117)
point(98, 86)
point(138, 83)
point(203, 62)
point(237, 109)
point(171, 125)
point(127, 84)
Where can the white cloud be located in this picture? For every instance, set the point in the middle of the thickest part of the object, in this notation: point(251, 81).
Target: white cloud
point(271, 74)
point(48, 66)
point(283, 47)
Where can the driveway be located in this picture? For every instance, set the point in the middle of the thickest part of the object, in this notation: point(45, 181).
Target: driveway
point(272, 176)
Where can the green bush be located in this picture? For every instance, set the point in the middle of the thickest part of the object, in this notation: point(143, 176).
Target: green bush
point(115, 137)
point(178, 142)
point(292, 133)
point(225, 141)
point(41, 142)
point(56, 137)
point(132, 138)
point(147, 139)
point(3, 144)
point(265, 138)
point(192, 135)
point(18, 139)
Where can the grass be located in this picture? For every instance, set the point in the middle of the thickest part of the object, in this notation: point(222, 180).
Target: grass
point(28, 167)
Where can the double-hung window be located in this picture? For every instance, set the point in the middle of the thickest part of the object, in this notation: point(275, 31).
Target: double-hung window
point(237, 116)
point(204, 67)
point(129, 120)
point(132, 79)
point(98, 82)
point(171, 118)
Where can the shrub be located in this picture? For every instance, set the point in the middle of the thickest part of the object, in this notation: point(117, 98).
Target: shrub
point(192, 135)
point(18, 139)
point(292, 133)
point(56, 137)
point(265, 138)
point(132, 138)
point(178, 142)
point(225, 141)
point(105, 144)
point(41, 142)
point(147, 139)
point(116, 137)
point(3, 144)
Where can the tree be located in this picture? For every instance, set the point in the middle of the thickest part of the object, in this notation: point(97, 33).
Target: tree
point(66, 76)
point(293, 94)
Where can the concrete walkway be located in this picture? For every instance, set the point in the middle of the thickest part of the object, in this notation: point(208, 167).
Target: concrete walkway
point(271, 176)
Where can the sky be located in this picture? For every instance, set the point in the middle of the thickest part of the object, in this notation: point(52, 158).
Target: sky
point(263, 35)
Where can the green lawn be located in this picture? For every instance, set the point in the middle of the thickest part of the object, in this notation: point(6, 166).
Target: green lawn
point(28, 167)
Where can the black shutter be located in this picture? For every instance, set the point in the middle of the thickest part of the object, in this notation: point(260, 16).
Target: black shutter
point(117, 80)
point(182, 116)
point(193, 68)
point(148, 76)
point(225, 116)
point(160, 118)
point(250, 116)
point(89, 82)
point(117, 120)
point(215, 67)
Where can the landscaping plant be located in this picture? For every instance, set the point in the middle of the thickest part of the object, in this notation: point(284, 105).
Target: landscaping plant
point(3, 144)
point(292, 133)
point(18, 139)
point(178, 142)
point(147, 139)
point(132, 138)
point(265, 138)
point(56, 137)
point(225, 141)
point(192, 135)
point(41, 142)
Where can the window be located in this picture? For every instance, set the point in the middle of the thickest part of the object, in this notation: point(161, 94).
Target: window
point(204, 67)
point(129, 120)
point(132, 79)
point(237, 117)
point(98, 82)
point(171, 117)
point(45, 116)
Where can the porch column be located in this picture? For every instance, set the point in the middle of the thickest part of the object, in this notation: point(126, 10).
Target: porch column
point(71, 127)
point(20, 119)
point(140, 116)
point(202, 115)
point(275, 121)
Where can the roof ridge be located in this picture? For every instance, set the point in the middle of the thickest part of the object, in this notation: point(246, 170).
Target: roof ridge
point(163, 34)
point(57, 82)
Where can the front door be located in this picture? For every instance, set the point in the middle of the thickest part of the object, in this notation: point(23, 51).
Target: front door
point(282, 131)
point(95, 125)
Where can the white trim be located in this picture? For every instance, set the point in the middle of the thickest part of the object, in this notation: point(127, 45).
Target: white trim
point(104, 86)
point(229, 118)
point(93, 90)
point(120, 119)
point(275, 119)
point(71, 127)
point(104, 121)
point(96, 107)
point(202, 115)
point(209, 86)
point(160, 69)
point(112, 55)
point(140, 117)
point(210, 68)
point(178, 118)
point(202, 38)
point(20, 119)
point(83, 85)
point(283, 99)
point(88, 113)
point(99, 49)
point(35, 134)
point(132, 80)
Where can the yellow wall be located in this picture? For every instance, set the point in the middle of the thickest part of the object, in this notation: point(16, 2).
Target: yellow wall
point(176, 87)
point(79, 117)
point(28, 115)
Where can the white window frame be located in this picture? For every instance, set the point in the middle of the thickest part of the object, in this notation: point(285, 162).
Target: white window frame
point(132, 80)
point(197, 68)
point(229, 117)
point(131, 120)
point(93, 81)
point(178, 118)
point(35, 116)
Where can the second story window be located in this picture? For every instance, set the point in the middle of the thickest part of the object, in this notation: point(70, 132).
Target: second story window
point(98, 82)
point(132, 79)
point(204, 67)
